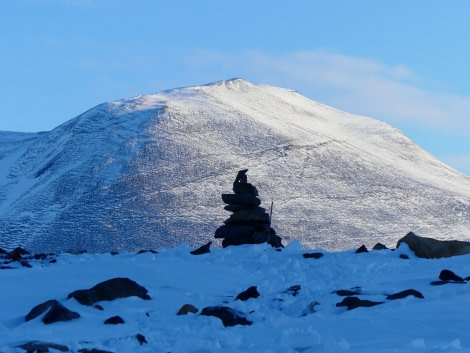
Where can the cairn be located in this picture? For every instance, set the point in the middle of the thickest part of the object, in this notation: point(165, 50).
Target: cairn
point(249, 223)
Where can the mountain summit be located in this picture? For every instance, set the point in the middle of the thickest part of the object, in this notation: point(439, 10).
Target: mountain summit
point(149, 171)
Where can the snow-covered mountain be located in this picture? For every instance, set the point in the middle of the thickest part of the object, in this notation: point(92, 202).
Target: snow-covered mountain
point(148, 172)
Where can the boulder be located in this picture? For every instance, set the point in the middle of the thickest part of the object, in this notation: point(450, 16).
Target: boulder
point(55, 312)
point(362, 249)
point(355, 302)
point(229, 316)
point(250, 215)
point(312, 255)
point(202, 250)
point(430, 248)
point(115, 320)
point(244, 188)
point(186, 309)
point(109, 290)
point(229, 230)
point(37, 346)
point(449, 276)
point(404, 294)
point(141, 338)
point(241, 199)
point(251, 292)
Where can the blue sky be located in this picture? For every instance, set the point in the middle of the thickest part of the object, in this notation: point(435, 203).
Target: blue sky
point(403, 62)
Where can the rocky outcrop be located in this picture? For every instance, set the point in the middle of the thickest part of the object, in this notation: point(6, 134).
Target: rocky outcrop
point(109, 290)
point(430, 248)
point(249, 223)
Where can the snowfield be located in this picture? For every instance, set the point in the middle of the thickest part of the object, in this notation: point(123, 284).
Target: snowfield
point(295, 312)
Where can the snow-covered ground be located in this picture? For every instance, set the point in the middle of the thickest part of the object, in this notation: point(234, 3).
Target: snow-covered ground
point(283, 320)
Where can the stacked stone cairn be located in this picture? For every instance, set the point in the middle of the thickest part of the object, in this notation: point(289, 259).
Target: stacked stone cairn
point(249, 223)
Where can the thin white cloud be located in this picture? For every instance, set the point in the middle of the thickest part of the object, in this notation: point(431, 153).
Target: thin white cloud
point(361, 85)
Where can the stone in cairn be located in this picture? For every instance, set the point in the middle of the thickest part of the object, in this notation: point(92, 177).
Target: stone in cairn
point(249, 223)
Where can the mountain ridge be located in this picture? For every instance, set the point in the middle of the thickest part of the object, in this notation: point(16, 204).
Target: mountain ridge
point(148, 171)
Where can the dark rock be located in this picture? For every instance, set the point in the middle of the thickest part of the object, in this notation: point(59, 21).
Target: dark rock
point(235, 208)
point(274, 240)
point(251, 292)
point(249, 215)
point(430, 248)
point(404, 256)
point(40, 256)
point(56, 312)
point(355, 302)
point(229, 316)
point(241, 176)
point(312, 255)
point(347, 292)
point(244, 188)
point(141, 338)
point(202, 250)
point(237, 240)
point(404, 294)
point(362, 249)
point(98, 307)
point(379, 246)
point(449, 276)
point(186, 309)
point(37, 347)
point(293, 290)
point(232, 231)
point(145, 251)
point(115, 320)
point(241, 199)
point(310, 309)
point(25, 263)
point(53, 261)
point(109, 290)
point(17, 253)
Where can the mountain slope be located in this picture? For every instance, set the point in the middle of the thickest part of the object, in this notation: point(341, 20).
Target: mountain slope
point(148, 172)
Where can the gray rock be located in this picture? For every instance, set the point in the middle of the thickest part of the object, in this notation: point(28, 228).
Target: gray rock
point(430, 248)
point(109, 290)
point(55, 312)
point(229, 316)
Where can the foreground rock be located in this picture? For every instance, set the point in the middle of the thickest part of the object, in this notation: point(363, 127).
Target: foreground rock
point(249, 223)
point(36, 346)
point(430, 248)
point(55, 312)
point(229, 316)
point(109, 290)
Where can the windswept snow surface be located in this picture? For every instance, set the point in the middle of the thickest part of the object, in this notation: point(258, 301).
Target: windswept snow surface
point(149, 171)
point(437, 323)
